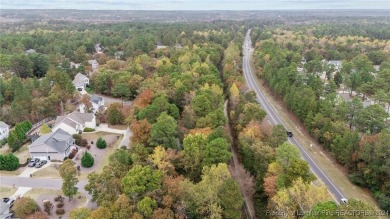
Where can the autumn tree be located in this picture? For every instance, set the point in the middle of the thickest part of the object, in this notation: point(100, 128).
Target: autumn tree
point(104, 187)
point(79, 213)
point(300, 197)
point(85, 102)
point(100, 212)
point(68, 173)
point(212, 196)
point(140, 131)
point(122, 208)
point(24, 206)
point(114, 114)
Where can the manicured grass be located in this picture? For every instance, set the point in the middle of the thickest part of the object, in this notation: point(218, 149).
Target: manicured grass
point(49, 172)
point(7, 191)
point(110, 150)
point(36, 192)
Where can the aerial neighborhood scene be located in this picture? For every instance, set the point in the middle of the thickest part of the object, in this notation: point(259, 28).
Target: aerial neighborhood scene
point(220, 109)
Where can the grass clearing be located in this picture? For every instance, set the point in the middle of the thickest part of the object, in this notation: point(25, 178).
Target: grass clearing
point(7, 191)
point(36, 192)
point(50, 171)
point(110, 151)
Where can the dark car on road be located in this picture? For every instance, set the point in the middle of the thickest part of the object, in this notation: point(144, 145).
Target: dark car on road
point(5, 200)
point(40, 164)
point(289, 134)
point(33, 162)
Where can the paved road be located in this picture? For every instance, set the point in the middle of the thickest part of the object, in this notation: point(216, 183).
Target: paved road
point(250, 80)
point(44, 183)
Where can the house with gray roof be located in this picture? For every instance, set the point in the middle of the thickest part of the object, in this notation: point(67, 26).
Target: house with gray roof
point(80, 81)
point(55, 145)
point(4, 130)
point(94, 64)
point(75, 122)
point(97, 103)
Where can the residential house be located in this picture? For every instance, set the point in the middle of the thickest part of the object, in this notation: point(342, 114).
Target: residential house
point(94, 64)
point(29, 51)
point(75, 65)
point(97, 104)
point(80, 81)
point(118, 55)
point(98, 48)
point(55, 145)
point(160, 46)
point(4, 130)
point(336, 63)
point(75, 122)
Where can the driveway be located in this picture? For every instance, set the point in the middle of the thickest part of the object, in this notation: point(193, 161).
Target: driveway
point(126, 139)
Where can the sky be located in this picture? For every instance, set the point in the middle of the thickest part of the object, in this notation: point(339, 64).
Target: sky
point(194, 4)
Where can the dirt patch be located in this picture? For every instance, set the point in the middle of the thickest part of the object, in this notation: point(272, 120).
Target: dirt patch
point(68, 205)
point(100, 155)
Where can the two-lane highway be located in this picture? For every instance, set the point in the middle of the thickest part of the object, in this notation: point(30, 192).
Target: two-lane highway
point(251, 82)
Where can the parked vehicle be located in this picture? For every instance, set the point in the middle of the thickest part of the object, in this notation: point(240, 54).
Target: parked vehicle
point(33, 162)
point(289, 134)
point(5, 200)
point(41, 163)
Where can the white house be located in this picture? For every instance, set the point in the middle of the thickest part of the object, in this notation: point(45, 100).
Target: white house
point(94, 64)
point(80, 81)
point(4, 130)
point(29, 51)
point(55, 145)
point(75, 65)
point(97, 104)
point(336, 63)
point(75, 122)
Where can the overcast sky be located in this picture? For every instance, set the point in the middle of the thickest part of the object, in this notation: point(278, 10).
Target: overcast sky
point(194, 4)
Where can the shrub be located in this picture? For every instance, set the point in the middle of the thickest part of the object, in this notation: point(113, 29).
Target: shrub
point(38, 215)
point(72, 154)
point(60, 205)
point(101, 143)
point(9, 162)
point(88, 147)
point(24, 206)
point(3, 142)
point(47, 206)
point(91, 142)
point(83, 143)
point(18, 135)
point(60, 211)
point(77, 139)
point(59, 198)
point(86, 129)
point(87, 160)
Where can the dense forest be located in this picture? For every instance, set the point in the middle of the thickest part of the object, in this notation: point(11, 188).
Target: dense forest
point(192, 114)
